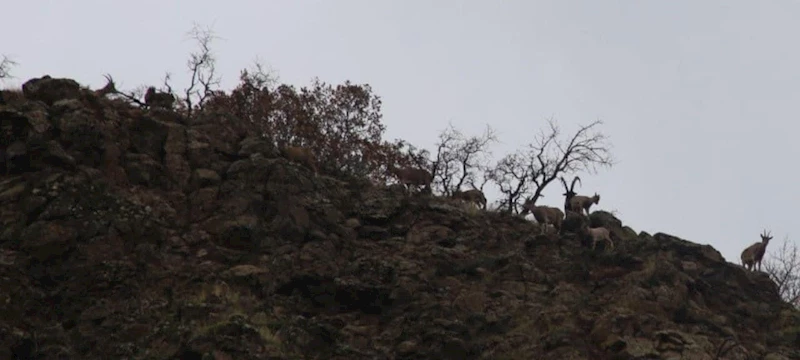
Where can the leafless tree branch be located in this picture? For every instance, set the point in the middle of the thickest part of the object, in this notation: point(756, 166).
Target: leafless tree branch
point(5, 67)
point(545, 159)
point(202, 66)
point(459, 158)
point(134, 95)
point(441, 167)
point(167, 86)
point(260, 76)
point(586, 150)
point(783, 267)
point(512, 176)
point(485, 172)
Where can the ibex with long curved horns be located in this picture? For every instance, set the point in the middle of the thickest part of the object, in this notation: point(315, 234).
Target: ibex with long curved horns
point(569, 192)
point(110, 87)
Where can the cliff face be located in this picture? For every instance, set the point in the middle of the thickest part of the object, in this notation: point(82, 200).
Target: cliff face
point(127, 233)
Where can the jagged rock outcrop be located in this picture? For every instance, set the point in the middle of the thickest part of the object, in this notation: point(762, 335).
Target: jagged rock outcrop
point(133, 234)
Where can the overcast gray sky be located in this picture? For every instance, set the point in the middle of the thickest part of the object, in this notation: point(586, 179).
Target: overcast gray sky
point(699, 98)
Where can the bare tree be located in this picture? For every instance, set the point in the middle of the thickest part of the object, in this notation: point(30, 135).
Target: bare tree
point(134, 95)
point(202, 66)
point(783, 267)
point(203, 82)
point(416, 156)
point(459, 158)
point(260, 76)
point(399, 153)
point(546, 159)
point(5, 67)
point(486, 175)
point(552, 157)
point(512, 175)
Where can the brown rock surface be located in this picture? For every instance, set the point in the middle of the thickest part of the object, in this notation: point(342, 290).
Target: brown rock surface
point(132, 234)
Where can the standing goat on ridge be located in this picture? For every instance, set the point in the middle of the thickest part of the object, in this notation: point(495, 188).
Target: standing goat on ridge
point(302, 155)
point(153, 98)
point(581, 204)
point(110, 87)
point(412, 176)
point(597, 234)
point(544, 215)
point(473, 196)
point(753, 254)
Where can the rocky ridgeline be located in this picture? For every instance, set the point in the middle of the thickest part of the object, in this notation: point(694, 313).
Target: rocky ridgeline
point(130, 234)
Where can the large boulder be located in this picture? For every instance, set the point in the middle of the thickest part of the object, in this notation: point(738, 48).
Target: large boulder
point(49, 90)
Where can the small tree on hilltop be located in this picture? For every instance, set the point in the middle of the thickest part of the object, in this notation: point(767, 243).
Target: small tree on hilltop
point(342, 120)
point(400, 153)
point(259, 77)
point(202, 66)
point(341, 124)
point(5, 67)
point(511, 174)
point(460, 159)
point(783, 267)
point(525, 174)
point(203, 80)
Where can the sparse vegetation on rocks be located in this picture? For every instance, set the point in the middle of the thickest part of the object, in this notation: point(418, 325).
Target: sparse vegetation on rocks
point(189, 232)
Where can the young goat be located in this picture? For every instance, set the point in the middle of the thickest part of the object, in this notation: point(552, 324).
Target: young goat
point(753, 254)
point(544, 215)
point(474, 196)
point(412, 176)
point(302, 155)
point(158, 99)
point(581, 204)
point(597, 234)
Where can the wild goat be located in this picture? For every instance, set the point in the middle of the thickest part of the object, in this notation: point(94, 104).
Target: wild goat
point(544, 215)
point(302, 155)
point(753, 254)
point(110, 88)
point(580, 203)
point(569, 192)
point(412, 176)
point(152, 98)
point(597, 234)
point(474, 196)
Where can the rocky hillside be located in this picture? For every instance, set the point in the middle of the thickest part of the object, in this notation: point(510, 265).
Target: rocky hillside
point(129, 234)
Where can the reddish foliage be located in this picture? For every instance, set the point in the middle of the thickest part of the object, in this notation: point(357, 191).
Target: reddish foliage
point(341, 124)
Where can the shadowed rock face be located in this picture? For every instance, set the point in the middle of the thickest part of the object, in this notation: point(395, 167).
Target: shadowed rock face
point(128, 234)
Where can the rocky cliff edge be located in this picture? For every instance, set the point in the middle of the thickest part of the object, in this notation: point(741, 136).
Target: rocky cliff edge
point(130, 234)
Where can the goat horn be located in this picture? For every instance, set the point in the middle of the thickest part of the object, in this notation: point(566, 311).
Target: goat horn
point(572, 188)
point(566, 188)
